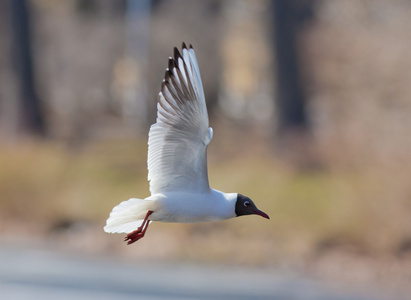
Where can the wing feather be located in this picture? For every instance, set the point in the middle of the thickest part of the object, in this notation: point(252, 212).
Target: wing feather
point(177, 144)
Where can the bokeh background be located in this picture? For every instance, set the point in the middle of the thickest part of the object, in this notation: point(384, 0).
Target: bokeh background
point(310, 102)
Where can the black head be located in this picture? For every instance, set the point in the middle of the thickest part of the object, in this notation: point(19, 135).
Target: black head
point(245, 206)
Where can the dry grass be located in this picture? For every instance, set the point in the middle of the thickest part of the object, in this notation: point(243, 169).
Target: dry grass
point(45, 183)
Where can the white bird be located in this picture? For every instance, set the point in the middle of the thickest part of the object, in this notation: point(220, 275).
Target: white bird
point(177, 160)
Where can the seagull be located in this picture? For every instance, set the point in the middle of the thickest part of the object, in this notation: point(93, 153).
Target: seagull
point(177, 160)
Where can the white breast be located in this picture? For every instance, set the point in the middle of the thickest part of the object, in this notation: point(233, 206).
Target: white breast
point(185, 207)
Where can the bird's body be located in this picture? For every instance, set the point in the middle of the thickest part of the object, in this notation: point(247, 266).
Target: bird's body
point(189, 207)
point(177, 160)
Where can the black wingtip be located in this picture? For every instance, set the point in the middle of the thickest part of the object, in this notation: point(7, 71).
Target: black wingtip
point(177, 54)
point(167, 74)
point(171, 64)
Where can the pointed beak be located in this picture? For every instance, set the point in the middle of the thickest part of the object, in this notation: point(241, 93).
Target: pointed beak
point(261, 213)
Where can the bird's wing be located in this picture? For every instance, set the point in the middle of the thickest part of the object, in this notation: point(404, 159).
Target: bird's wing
point(177, 144)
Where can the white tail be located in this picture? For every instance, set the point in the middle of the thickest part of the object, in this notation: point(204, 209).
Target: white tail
point(128, 215)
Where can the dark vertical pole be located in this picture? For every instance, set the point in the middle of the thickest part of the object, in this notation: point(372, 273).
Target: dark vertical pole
point(290, 93)
point(32, 119)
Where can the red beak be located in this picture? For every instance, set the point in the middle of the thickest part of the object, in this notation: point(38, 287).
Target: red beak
point(260, 213)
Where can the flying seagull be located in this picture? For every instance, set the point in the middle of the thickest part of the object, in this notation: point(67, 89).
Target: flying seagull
point(177, 160)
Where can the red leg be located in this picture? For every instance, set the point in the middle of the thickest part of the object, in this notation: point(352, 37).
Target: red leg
point(140, 232)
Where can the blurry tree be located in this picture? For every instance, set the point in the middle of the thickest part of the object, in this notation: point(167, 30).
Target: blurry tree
point(8, 91)
point(246, 91)
point(291, 99)
point(293, 139)
point(31, 114)
point(135, 108)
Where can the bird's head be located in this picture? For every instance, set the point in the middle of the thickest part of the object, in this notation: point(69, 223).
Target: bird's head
point(245, 206)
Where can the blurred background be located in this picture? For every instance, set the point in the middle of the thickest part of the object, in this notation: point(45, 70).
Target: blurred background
point(310, 102)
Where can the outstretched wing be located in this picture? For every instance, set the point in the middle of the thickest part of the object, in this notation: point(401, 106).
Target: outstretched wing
point(177, 144)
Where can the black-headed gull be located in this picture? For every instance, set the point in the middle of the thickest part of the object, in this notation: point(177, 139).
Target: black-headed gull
point(177, 160)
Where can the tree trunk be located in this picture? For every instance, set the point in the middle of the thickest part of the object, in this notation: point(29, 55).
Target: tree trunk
point(291, 102)
point(292, 136)
point(31, 114)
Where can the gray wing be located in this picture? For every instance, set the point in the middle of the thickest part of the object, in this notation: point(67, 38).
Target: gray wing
point(177, 144)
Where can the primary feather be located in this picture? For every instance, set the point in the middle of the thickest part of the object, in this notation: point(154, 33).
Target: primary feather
point(177, 144)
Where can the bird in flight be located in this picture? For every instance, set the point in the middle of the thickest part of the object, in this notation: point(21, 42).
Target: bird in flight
point(177, 160)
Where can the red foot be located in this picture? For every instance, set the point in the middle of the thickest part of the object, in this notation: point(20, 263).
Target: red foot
point(140, 232)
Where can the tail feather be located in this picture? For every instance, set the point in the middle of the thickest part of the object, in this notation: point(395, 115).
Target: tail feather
point(128, 215)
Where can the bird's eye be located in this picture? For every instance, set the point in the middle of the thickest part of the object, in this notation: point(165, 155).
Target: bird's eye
point(246, 203)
